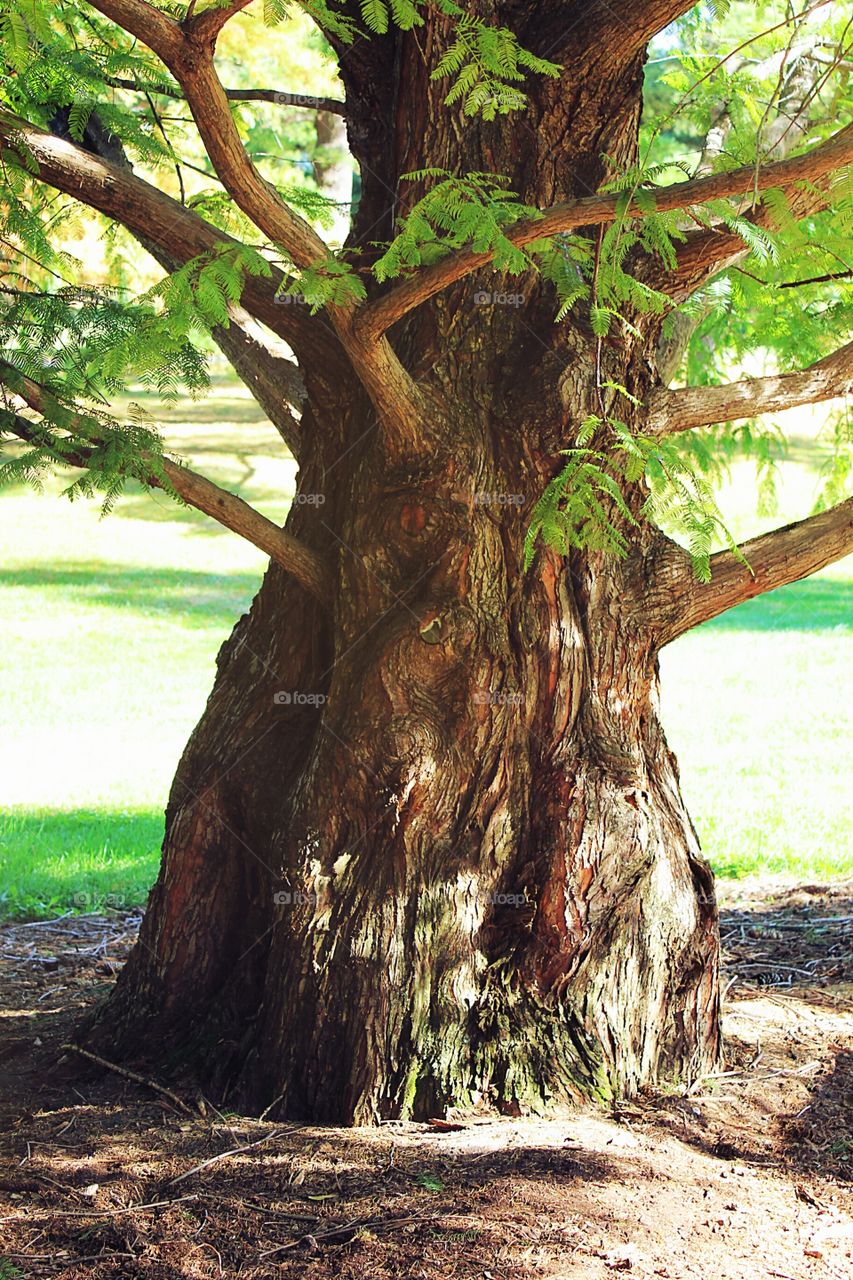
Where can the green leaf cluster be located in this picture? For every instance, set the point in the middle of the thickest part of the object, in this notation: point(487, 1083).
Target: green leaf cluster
point(474, 210)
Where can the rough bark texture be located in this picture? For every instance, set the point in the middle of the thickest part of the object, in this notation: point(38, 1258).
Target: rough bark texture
point(429, 847)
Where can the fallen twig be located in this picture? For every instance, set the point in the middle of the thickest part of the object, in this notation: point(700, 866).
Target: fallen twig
point(131, 1075)
point(260, 1208)
point(234, 1151)
point(41, 924)
point(773, 967)
point(99, 1213)
point(357, 1224)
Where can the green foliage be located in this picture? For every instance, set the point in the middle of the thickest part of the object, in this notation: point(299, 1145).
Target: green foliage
point(579, 509)
point(566, 261)
point(328, 282)
point(837, 471)
point(487, 65)
point(116, 453)
point(203, 289)
point(584, 505)
point(470, 211)
point(90, 342)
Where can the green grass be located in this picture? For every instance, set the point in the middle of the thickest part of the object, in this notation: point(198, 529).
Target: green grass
point(109, 631)
point(757, 708)
point(81, 860)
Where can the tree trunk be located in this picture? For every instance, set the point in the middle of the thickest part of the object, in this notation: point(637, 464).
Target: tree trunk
point(430, 849)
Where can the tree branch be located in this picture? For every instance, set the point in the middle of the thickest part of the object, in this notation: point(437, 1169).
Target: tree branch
point(269, 376)
point(704, 254)
point(280, 98)
point(670, 411)
point(207, 25)
point(305, 565)
point(188, 55)
point(675, 601)
point(633, 23)
point(152, 26)
point(375, 319)
point(273, 379)
point(153, 216)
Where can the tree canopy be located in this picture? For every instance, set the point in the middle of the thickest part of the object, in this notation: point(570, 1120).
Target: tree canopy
point(734, 227)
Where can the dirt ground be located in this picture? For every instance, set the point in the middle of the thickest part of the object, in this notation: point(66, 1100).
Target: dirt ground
point(747, 1175)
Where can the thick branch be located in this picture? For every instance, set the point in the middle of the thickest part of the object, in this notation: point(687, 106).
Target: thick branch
point(706, 253)
point(305, 565)
point(267, 375)
point(154, 217)
point(677, 602)
point(207, 25)
point(633, 23)
point(593, 210)
point(273, 379)
point(188, 54)
point(152, 26)
point(670, 411)
point(189, 57)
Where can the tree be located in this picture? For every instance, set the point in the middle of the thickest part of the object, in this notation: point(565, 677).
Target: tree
point(427, 843)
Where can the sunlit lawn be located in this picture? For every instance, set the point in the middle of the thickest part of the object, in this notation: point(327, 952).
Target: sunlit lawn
point(109, 630)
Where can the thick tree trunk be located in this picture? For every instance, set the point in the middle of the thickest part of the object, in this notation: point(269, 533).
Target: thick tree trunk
point(430, 849)
point(434, 851)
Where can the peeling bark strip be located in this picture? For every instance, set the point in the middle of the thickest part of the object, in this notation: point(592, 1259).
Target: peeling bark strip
point(427, 845)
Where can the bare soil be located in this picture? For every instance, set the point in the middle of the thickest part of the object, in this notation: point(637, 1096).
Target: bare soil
point(746, 1175)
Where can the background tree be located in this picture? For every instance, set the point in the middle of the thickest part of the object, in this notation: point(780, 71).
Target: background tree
point(427, 843)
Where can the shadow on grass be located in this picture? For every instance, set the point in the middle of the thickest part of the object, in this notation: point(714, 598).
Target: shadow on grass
point(817, 604)
point(195, 595)
point(77, 860)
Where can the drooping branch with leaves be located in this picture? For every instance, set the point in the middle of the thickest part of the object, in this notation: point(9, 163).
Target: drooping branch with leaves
point(427, 844)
